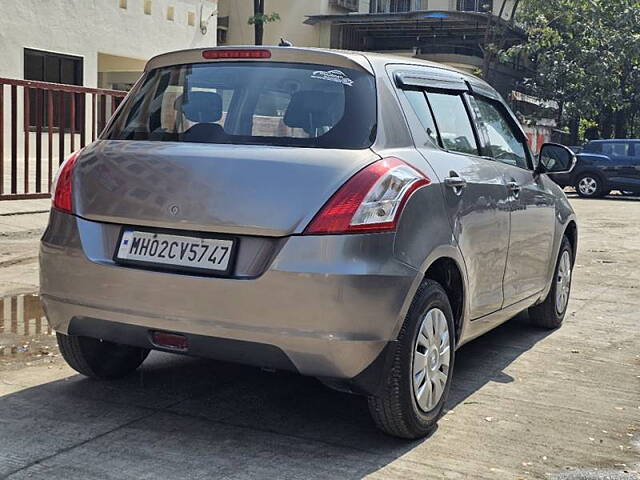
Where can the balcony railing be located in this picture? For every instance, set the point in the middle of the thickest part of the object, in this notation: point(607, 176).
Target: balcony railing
point(401, 6)
point(351, 5)
point(40, 124)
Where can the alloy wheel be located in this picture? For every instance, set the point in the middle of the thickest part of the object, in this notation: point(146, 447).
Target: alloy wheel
point(431, 358)
point(588, 186)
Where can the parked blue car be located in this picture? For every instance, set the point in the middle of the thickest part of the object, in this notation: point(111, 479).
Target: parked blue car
point(603, 166)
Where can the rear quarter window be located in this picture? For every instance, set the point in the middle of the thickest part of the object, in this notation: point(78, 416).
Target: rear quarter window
point(267, 103)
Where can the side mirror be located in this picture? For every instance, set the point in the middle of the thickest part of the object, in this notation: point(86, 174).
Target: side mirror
point(555, 158)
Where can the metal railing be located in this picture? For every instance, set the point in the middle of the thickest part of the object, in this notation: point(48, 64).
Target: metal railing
point(40, 124)
point(351, 5)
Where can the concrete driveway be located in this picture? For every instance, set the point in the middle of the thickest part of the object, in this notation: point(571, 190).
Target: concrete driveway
point(526, 403)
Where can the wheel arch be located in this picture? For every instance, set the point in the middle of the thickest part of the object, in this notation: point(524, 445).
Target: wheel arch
point(447, 272)
point(571, 232)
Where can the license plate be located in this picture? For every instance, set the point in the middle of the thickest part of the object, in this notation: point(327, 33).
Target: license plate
point(175, 251)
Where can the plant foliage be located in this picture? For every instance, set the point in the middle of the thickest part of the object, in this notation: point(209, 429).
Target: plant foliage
point(587, 58)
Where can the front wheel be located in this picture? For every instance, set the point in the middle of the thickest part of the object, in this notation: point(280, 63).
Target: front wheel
point(416, 386)
point(99, 359)
point(550, 313)
point(590, 186)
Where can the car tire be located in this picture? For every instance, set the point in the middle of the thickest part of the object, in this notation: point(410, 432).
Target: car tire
point(396, 409)
point(551, 312)
point(589, 185)
point(99, 359)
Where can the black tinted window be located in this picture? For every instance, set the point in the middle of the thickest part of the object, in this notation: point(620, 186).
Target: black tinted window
point(453, 122)
point(593, 148)
point(251, 103)
point(616, 149)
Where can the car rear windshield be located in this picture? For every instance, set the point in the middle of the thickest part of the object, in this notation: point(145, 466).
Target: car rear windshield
point(247, 103)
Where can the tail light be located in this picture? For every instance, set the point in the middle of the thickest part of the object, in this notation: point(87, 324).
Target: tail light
point(63, 184)
point(371, 201)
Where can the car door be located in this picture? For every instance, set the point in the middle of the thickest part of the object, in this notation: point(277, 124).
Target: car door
point(622, 171)
point(634, 168)
point(474, 193)
point(531, 201)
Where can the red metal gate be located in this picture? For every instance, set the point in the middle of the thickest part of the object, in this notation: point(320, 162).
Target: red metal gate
point(40, 125)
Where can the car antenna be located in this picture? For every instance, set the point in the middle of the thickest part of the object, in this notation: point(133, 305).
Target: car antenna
point(285, 43)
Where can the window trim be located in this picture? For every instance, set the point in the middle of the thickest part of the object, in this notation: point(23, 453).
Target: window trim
point(516, 129)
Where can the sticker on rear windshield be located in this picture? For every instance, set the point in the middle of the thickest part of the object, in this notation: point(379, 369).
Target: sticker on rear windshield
point(332, 76)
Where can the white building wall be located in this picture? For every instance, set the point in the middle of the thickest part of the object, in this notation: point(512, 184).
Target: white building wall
point(85, 28)
point(113, 42)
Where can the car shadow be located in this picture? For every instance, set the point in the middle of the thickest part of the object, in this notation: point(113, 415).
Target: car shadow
point(179, 414)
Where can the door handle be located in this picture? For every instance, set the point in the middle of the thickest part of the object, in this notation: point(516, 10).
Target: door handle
point(455, 182)
point(514, 187)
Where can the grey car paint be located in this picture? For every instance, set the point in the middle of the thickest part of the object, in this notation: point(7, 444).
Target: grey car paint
point(330, 303)
point(220, 188)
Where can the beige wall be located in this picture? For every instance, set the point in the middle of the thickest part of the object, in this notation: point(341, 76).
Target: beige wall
point(293, 13)
point(85, 28)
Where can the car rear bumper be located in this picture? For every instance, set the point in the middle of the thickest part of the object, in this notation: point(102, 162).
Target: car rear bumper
point(330, 304)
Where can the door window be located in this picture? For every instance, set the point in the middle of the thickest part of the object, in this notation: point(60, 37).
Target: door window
point(503, 143)
point(453, 122)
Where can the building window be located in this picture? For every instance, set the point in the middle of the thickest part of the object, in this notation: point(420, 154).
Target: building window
point(485, 6)
point(191, 19)
point(147, 7)
point(122, 3)
point(53, 67)
point(222, 36)
point(390, 6)
point(170, 13)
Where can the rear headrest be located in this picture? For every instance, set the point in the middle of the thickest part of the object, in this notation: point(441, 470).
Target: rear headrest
point(311, 109)
point(200, 107)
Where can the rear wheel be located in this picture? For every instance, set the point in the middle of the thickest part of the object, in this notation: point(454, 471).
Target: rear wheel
point(590, 186)
point(550, 313)
point(416, 386)
point(99, 359)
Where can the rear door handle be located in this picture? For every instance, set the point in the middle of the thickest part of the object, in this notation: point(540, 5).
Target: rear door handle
point(455, 182)
point(514, 187)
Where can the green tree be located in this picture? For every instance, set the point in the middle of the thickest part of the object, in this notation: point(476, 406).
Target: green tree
point(587, 58)
point(259, 18)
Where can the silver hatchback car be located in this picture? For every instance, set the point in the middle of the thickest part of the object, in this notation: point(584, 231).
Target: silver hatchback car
point(355, 217)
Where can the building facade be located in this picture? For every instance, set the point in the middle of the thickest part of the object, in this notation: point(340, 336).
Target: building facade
point(97, 43)
point(458, 33)
point(80, 48)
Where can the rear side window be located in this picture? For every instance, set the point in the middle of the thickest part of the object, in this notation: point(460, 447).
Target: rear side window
point(453, 122)
point(420, 106)
point(264, 103)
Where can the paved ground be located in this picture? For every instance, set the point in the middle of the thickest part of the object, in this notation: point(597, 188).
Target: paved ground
point(525, 403)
